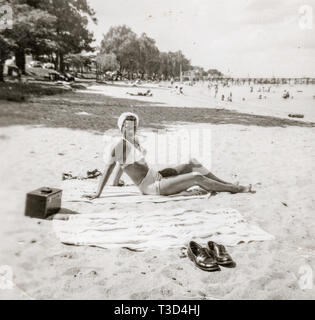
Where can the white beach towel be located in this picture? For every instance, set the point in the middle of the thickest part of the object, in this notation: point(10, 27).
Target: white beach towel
point(159, 228)
point(74, 189)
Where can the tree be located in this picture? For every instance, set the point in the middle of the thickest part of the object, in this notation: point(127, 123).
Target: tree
point(71, 32)
point(31, 30)
point(123, 42)
point(141, 54)
point(78, 61)
point(46, 27)
point(149, 55)
point(172, 63)
point(215, 73)
point(106, 62)
point(199, 72)
point(5, 49)
point(164, 65)
point(30, 27)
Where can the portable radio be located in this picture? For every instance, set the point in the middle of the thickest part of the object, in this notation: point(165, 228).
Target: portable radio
point(43, 202)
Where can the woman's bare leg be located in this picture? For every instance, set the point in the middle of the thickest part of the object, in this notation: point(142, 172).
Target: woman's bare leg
point(177, 184)
point(195, 166)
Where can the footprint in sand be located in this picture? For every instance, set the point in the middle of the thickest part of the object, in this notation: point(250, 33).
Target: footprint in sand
point(140, 296)
point(77, 272)
point(72, 272)
point(102, 282)
point(167, 273)
point(62, 255)
point(92, 273)
point(151, 259)
point(183, 253)
point(166, 292)
point(202, 294)
point(69, 255)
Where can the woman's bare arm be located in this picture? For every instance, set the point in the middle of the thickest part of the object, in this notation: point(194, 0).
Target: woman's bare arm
point(109, 167)
point(104, 178)
point(117, 175)
point(107, 173)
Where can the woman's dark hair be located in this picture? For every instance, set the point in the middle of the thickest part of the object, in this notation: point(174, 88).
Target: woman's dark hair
point(131, 118)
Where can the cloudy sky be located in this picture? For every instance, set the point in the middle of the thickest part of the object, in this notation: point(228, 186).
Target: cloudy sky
point(238, 37)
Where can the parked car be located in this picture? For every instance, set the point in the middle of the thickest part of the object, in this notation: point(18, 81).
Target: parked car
point(67, 77)
point(49, 66)
point(35, 64)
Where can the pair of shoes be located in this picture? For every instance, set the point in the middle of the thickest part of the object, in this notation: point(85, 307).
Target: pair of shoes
point(93, 174)
point(209, 259)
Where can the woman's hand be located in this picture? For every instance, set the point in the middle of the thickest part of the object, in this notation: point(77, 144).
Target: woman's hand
point(91, 196)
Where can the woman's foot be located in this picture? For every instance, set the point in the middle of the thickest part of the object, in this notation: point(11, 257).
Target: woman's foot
point(246, 189)
point(243, 189)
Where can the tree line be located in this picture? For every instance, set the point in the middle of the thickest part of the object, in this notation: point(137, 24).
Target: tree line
point(58, 30)
point(129, 55)
point(139, 54)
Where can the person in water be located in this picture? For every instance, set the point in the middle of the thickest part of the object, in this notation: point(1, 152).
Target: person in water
point(128, 153)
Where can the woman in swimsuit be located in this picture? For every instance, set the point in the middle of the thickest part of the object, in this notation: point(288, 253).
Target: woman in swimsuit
point(128, 153)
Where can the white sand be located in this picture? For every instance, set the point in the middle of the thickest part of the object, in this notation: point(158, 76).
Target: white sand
point(278, 161)
point(200, 96)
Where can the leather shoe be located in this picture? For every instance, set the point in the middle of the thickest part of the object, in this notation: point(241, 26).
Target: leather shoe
point(220, 254)
point(202, 258)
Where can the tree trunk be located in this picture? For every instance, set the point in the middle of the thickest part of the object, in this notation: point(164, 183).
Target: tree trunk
point(20, 59)
point(1, 71)
point(56, 59)
point(61, 62)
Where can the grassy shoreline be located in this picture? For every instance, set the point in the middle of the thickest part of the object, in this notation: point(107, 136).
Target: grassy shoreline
point(20, 92)
point(61, 110)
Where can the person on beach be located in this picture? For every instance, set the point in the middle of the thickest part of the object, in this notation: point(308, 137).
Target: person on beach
point(216, 89)
point(128, 153)
point(148, 93)
point(286, 94)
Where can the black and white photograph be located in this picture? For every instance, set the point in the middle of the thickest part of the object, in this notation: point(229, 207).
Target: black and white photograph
point(157, 150)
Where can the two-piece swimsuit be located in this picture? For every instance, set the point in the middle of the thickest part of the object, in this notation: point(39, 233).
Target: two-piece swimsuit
point(150, 185)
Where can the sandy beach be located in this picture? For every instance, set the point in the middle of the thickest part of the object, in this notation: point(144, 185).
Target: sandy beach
point(269, 150)
point(271, 104)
